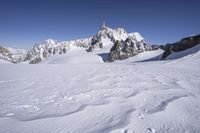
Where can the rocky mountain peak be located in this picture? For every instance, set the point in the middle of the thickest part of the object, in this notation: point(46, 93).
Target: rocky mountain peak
point(124, 49)
point(105, 36)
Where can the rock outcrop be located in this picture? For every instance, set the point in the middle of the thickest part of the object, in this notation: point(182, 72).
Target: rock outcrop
point(181, 45)
point(124, 49)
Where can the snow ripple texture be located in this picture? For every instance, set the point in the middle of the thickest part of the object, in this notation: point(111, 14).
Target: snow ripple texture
point(123, 97)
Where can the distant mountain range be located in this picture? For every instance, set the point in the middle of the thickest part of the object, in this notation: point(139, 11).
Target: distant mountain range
point(125, 45)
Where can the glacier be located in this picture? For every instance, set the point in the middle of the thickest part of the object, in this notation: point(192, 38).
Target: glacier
point(78, 92)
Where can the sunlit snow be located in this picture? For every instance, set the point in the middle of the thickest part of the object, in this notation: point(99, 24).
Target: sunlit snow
point(78, 92)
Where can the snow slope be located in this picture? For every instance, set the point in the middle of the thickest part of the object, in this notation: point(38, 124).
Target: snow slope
point(81, 94)
point(80, 56)
point(153, 55)
point(187, 57)
point(75, 56)
point(4, 62)
point(176, 55)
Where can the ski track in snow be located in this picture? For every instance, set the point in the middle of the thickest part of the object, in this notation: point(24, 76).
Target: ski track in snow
point(123, 97)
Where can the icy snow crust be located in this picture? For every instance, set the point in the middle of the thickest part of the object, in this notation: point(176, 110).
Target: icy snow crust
point(79, 93)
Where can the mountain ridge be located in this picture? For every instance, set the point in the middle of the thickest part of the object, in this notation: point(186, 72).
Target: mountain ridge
point(124, 45)
point(50, 47)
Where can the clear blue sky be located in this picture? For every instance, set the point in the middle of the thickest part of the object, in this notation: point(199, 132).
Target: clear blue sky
point(24, 22)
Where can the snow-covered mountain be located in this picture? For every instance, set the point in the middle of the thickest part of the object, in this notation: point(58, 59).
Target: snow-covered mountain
point(125, 44)
point(50, 47)
point(119, 44)
point(4, 55)
point(12, 55)
point(45, 49)
point(107, 34)
point(18, 55)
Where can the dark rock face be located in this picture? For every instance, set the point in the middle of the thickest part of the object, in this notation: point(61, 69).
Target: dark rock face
point(115, 52)
point(167, 49)
point(91, 48)
point(35, 61)
point(182, 45)
point(124, 49)
point(101, 45)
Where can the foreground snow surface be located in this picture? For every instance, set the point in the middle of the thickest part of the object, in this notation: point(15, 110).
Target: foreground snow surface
point(122, 97)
